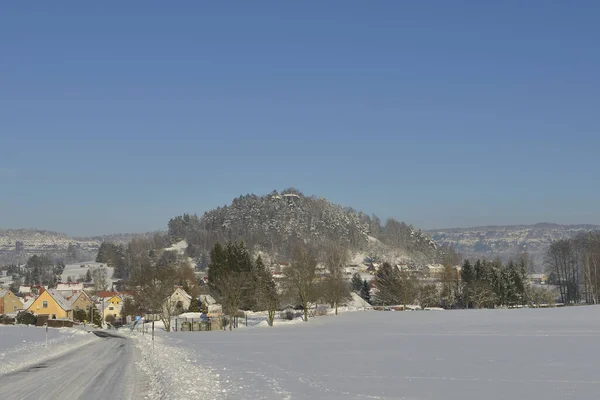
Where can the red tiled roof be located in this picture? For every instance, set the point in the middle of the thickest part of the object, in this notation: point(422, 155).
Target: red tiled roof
point(105, 294)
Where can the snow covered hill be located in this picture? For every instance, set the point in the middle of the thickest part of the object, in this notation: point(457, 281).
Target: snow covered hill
point(16, 245)
point(278, 221)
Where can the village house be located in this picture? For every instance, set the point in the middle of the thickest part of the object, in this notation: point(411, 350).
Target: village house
point(51, 304)
point(180, 299)
point(9, 302)
point(81, 301)
point(112, 307)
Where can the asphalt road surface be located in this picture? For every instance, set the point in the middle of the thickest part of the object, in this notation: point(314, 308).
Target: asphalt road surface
point(103, 369)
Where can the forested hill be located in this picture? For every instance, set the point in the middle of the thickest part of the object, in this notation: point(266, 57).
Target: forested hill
point(277, 221)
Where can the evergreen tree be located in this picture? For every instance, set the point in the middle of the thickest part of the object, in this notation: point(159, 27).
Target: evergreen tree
point(80, 315)
point(356, 283)
point(88, 276)
point(97, 318)
point(129, 307)
point(230, 276)
point(388, 285)
point(467, 275)
point(266, 290)
point(524, 287)
point(365, 291)
point(194, 307)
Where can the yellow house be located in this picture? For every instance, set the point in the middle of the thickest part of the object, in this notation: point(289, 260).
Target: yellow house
point(9, 303)
point(52, 304)
point(81, 301)
point(113, 306)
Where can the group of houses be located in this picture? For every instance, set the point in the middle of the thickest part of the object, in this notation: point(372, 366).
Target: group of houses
point(63, 302)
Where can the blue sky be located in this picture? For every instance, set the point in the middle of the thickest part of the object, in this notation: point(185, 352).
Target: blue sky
point(116, 117)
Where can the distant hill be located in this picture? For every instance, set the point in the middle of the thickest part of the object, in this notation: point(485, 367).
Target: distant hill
point(277, 221)
point(507, 241)
point(17, 245)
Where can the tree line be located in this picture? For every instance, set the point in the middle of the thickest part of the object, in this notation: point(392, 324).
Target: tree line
point(574, 266)
point(482, 284)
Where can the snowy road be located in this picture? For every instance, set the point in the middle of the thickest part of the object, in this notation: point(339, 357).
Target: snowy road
point(104, 369)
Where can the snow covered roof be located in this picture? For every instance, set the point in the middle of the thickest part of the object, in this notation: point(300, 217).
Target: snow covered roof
point(77, 296)
point(207, 298)
point(357, 301)
point(24, 289)
point(3, 292)
point(69, 286)
point(61, 301)
point(28, 303)
point(182, 293)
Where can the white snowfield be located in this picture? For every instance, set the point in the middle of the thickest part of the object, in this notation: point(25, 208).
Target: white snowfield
point(75, 270)
point(466, 354)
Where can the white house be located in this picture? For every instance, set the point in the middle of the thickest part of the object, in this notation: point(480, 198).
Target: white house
point(179, 296)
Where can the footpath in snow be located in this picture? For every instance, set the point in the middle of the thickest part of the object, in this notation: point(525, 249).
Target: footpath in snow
point(21, 346)
point(174, 372)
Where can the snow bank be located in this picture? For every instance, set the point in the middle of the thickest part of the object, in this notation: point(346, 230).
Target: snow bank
point(174, 372)
point(21, 346)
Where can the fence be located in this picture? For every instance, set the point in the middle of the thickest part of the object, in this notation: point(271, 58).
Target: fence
point(196, 324)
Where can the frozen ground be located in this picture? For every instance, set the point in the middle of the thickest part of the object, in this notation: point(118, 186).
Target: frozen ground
point(477, 354)
point(21, 346)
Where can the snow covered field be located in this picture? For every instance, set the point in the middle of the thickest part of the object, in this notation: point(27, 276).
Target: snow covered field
point(475, 354)
point(21, 346)
point(75, 270)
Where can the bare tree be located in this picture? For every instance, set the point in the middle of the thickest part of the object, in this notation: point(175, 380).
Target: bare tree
point(587, 246)
point(231, 276)
point(266, 291)
point(450, 285)
point(154, 282)
point(483, 295)
point(99, 278)
point(561, 261)
point(429, 296)
point(335, 286)
point(301, 277)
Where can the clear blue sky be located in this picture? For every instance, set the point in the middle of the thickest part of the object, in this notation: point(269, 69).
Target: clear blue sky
point(118, 116)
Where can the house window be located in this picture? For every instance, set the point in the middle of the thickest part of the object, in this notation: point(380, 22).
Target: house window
point(111, 308)
point(44, 304)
